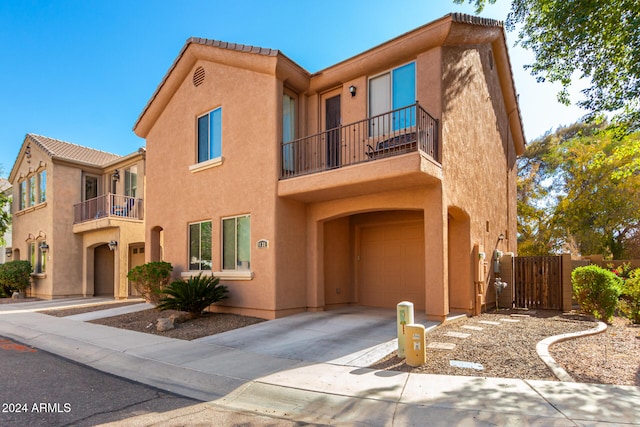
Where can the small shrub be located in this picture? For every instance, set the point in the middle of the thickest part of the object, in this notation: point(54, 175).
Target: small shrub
point(630, 298)
point(15, 276)
point(193, 295)
point(149, 279)
point(597, 291)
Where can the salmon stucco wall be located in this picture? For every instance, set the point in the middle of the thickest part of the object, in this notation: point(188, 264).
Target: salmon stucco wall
point(244, 182)
point(478, 161)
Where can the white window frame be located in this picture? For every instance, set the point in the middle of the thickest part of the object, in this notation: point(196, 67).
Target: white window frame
point(200, 259)
point(236, 249)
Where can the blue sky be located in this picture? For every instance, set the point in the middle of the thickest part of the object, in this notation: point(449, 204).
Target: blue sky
point(83, 70)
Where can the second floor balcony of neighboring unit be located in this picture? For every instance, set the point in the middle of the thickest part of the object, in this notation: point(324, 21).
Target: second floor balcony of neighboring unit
point(107, 207)
point(390, 151)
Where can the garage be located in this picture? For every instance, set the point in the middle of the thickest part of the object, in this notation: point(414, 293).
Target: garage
point(391, 264)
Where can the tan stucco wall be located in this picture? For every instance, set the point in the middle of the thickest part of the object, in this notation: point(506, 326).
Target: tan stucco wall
point(52, 219)
point(478, 161)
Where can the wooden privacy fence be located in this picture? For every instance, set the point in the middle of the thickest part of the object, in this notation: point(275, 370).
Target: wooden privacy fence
point(538, 282)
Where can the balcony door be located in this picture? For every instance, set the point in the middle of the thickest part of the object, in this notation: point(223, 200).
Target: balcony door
point(92, 208)
point(389, 91)
point(332, 126)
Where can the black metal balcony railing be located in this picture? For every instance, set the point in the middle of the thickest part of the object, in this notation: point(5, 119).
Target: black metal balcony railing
point(108, 205)
point(397, 132)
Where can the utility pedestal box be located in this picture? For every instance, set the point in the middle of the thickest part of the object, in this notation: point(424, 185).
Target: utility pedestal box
point(415, 345)
point(405, 317)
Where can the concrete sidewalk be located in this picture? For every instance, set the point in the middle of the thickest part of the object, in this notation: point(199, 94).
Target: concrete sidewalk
point(272, 369)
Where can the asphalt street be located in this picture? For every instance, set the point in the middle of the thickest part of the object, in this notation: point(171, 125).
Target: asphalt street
point(41, 389)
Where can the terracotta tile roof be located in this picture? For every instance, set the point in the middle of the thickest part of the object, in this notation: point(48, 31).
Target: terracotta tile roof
point(72, 152)
point(464, 18)
point(233, 46)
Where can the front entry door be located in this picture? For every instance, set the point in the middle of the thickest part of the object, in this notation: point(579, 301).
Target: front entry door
point(332, 126)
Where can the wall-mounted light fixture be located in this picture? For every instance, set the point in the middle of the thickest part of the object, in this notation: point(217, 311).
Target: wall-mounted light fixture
point(352, 90)
point(116, 175)
point(44, 248)
point(8, 252)
point(501, 237)
point(113, 245)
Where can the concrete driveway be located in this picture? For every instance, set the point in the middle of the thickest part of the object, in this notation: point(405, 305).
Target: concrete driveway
point(354, 336)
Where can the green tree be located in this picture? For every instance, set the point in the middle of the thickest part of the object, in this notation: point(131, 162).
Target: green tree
point(577, 191)
point(597, 39)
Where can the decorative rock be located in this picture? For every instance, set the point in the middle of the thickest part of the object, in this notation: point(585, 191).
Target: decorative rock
point(17, 295)
point(165, 324)
point(180, 317)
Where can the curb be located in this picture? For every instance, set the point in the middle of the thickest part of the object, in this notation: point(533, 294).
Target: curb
point(542, 348)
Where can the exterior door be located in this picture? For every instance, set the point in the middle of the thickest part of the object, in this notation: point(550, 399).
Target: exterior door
point(332, 126)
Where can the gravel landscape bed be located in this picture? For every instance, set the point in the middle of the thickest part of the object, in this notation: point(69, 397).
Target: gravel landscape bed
point(508, 349)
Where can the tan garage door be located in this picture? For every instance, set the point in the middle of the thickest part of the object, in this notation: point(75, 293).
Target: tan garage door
point(391, 265)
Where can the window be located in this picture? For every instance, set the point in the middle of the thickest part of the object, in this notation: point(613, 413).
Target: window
point(131, 181)
point(22, 196)
point(210, 135)
point(236, 243)
point(200, 246)
point(38, 257)
point(42, 193)
point(288, 130)
point(41, 266)
point(32, 255)
point(32, 190)
point(391, 91)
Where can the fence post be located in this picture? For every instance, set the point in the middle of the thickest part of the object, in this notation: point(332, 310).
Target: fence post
point(567, 286)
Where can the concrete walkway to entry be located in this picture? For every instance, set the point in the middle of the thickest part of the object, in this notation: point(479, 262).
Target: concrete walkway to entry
point(311, 368)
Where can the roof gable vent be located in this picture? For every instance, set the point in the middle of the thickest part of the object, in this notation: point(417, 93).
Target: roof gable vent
point(198, 76)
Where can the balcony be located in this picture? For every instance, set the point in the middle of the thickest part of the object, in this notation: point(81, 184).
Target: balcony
point(390, 151)
point(109, 205)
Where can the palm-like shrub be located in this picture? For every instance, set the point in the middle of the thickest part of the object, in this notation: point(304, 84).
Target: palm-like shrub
point(193, 295)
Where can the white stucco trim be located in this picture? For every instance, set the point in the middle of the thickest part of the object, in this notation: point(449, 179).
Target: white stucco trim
point(222, 275)
point(206, 165)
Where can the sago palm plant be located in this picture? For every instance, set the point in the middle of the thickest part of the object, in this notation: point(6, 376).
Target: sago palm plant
point(193, 295)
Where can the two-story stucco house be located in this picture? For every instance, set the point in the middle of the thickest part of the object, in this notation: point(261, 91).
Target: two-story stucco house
point(5, 240)
point(383, 178)
point(77, 217)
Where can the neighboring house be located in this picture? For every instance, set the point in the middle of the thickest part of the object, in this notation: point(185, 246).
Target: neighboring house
point(77, 217)
point(5, 250)
point(380, 179)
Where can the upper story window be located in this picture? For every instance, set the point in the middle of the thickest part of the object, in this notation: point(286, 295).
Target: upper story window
point(200, 246)
point(42, 190)
point(131, 181)
point(210, 135)
point(32, 190)
point(390, 91)
point(236, 243)
point(22, 195)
